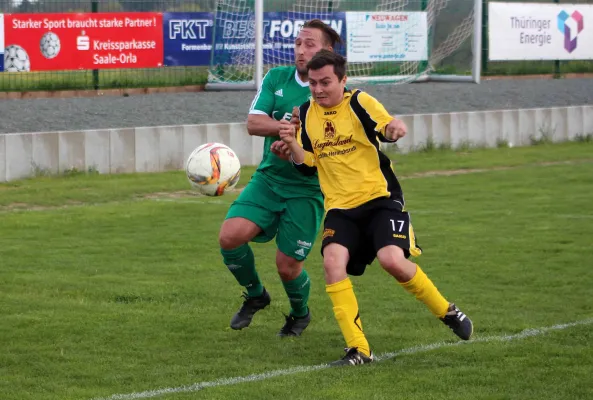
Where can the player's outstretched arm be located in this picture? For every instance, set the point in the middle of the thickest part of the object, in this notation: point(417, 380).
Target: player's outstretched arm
point(280, 148)
point(375, 118)
point(288, 136)
point(395, 130)
point(259, 120)
point(262, 125)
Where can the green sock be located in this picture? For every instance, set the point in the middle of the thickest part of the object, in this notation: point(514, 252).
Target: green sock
point(298, 294)
point(241, 263)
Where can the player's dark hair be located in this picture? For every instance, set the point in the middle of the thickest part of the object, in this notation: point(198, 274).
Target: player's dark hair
point(330, 36)
point(325, 57)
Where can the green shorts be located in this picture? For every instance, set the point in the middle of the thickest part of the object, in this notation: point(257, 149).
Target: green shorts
point(293, 219)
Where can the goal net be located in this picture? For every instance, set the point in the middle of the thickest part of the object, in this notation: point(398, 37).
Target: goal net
point(385, 41)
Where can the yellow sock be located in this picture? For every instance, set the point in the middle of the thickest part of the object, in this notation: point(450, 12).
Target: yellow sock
point(425, 291)
point(346, 313)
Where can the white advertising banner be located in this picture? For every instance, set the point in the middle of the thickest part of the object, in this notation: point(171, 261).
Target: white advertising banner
point(386, 36)
point(536, 31)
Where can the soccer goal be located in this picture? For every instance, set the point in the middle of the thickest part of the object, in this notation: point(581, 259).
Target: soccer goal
point(385, 41)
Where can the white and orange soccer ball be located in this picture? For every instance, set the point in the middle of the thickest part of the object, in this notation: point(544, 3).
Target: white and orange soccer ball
point(213, 168)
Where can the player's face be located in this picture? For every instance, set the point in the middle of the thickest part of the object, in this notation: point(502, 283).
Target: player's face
point(326, 88)
point(309, 42)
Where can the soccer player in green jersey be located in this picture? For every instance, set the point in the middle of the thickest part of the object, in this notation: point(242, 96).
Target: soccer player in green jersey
point(278, 202)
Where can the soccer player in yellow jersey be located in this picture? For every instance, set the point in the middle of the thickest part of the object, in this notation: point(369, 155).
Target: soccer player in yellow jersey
point(365, 218)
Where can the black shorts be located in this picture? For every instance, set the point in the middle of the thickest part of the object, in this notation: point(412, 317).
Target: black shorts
point(366, 229)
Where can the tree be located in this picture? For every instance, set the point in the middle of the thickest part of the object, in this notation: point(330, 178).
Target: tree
point(25, 7)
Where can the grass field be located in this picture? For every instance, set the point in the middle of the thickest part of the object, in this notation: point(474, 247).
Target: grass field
point(113, 287)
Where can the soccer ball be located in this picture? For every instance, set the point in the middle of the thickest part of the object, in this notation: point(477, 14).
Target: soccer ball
point(213, 168)
point(49, 45)
point(16, 59)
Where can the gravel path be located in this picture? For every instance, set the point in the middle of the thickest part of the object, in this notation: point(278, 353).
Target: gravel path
point(42, 115)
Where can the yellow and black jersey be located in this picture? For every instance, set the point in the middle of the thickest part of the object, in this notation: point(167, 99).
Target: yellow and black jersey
point(342, 144)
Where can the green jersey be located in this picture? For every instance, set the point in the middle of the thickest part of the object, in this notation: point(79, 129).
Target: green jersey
point(281, 90)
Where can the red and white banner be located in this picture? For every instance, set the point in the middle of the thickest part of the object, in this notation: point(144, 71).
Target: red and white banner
point(43, 42)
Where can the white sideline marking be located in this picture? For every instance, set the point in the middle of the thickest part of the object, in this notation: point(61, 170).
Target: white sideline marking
point(205, 200)
point(195, 201)
point(296, 370)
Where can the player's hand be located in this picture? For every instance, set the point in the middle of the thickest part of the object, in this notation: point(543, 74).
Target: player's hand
point(287, 132)
point(280, 149)
point(295, 116)
point(396, 129)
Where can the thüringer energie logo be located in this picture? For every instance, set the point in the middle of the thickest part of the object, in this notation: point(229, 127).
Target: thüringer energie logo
point(570, 25)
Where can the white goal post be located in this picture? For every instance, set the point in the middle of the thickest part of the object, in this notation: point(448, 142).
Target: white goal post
point(385, 41)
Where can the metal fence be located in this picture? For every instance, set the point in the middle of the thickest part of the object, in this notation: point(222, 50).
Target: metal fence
point(181, 76)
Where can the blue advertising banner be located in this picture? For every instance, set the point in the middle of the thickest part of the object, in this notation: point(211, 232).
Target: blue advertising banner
point(1, 42)
point(233, 35)
point(282, 28)
point(189, 37)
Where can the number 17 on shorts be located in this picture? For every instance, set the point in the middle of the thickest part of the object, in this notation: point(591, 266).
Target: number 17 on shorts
point(396, 229)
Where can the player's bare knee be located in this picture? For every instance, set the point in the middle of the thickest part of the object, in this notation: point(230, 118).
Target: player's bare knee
point(288, 267)
point(227, 241)
point(235, 232)
point(335, 259)
point(331, 260)
point(225, 238)
point(393, 260)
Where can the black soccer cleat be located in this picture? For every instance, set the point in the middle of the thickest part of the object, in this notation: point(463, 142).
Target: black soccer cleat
point(294, 326)
point(459, 323)
point(353, 357)
point(250, 306)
